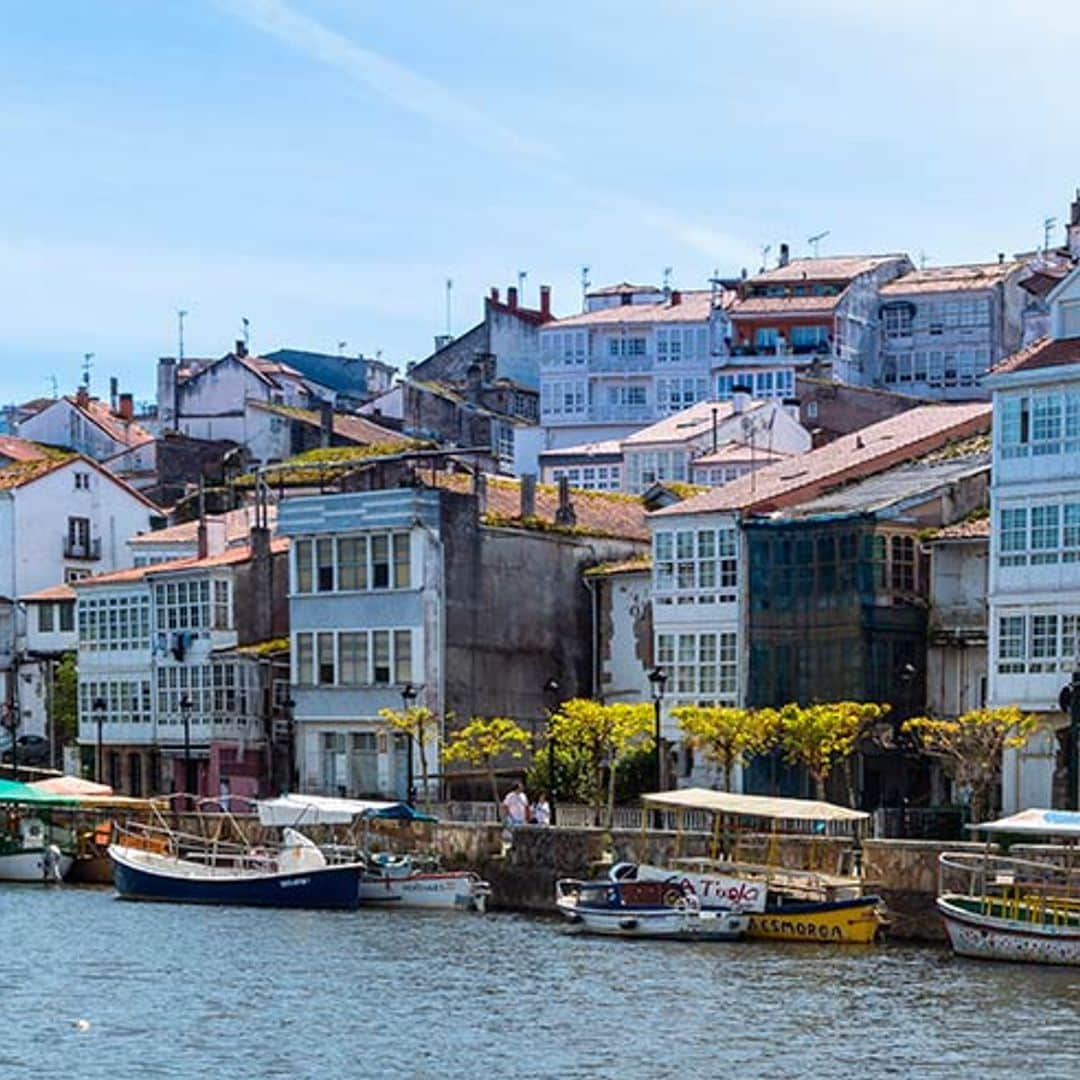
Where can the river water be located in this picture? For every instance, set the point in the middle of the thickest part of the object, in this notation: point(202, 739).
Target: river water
point(173, 991)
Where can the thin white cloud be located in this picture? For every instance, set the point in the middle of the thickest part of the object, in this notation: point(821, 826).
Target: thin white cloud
point(400, 85)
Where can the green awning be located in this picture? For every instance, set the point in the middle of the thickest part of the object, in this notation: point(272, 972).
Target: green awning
point(11, 791)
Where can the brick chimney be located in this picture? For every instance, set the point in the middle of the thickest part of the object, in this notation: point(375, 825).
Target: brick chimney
point(241, 349)
point(326, 424)
point(676, 298)
point(512, 298)
point(545, 300)
point(126, 407)
point(479, 487)
point(82, 397)
point(528, 495)
point(494, 294)
point(785, 255)
point(262, 581)
point(565, 515)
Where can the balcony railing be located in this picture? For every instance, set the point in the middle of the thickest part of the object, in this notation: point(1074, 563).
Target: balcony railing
point(82, 549)
point(618, 364)
point(822, 348)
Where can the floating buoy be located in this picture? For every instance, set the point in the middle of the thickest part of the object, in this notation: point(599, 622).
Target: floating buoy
point(81, 1024)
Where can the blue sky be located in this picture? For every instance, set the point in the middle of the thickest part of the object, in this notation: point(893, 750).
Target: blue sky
point(323, 166)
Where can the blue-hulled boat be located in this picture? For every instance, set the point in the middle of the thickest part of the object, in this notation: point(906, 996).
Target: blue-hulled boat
point(153, 865)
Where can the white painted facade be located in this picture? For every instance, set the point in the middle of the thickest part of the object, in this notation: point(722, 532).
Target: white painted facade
point(63, 423)
point(1034, 573)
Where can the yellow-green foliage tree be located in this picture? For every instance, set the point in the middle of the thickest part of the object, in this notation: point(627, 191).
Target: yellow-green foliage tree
point(420, 724)
point(823, 735)
point(970, 747)
point(482, 741)
point(602, 735)
point(725, 734)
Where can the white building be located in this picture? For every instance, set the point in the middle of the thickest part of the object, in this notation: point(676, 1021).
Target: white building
point(635, 355)
point(88, 426)
point(1034, 591)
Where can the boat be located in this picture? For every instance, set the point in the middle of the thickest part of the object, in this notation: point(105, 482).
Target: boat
point(387, 879)
point(644, 909)
point(1015, 908)
point(783, 904)
point(31, 848)
point(155, 864)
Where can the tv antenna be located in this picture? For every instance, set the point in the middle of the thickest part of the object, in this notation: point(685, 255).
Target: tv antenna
point(766, 248)
point(667, 278)
point(923, 260)
point(55, 386)
point(181, 315)
point(1048, 228)
point(247, 330)
point(815, 240)
point(522, 275)
point(585, 283)
point(87, 366)
point(341, 347)
point(449, 294)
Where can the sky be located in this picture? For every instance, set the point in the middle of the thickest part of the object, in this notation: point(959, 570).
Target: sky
point(323, 167)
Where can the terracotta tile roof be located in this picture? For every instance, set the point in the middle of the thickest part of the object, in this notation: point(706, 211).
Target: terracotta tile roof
point(126, 432)
point(604, 448)
point(693, 306)
point(641, 565)
point(133, 574)
point(940, 279)
point(687, 424)
point(598, 513)
point(862, 453)
point(973, 529)
point(21, 473)
point(622, 287)
point(833, 268)
point(1044, 352)
point(529, 315)
point(740, 453)
point(1043, 280)
point(17, 449)
point(53, 592)
point(356, 429)
point(238, 524)
point(785, 305)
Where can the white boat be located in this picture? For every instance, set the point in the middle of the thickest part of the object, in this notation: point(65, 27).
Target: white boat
point(402, 881)
point(644, 909)
point(997, 907)
point(27, 853)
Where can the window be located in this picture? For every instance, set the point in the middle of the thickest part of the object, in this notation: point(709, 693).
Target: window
point(324, 565)
point(352, 563)
point(82, 481)
point(902, 563)
point(402, 657)
point(45, 618)
point(182, 605)
point(626, 346)
point(698, 563)
point(562, 397)
point(1046, 418)
point(1070, 532)
point(1045, 538)
point(1044, 643)
point(701, 667)
point(303, 550)
point(353, 658)
point(401, 560)
point(66, 609)
point(1013, 536)
point(305, 669)
point(78, 536)
point(113, 624)
point(222, 607)
point(809, 337)
point(381, 653)
point(766, 337)
point(896, 320)
point(1011, 644)
point(326, 665)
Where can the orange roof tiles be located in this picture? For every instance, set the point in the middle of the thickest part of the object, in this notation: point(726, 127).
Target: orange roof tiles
point(232, 557)
point(962, 278)
point(126, 432)
point(25, 472)
point(622, 287)
point(693, 306)
point(17, 449)
point(1045, 352)
point(688, 423)
point(975, 529)
point(53, 592)
point(741, 453)
point(863, 453)
point(832, 268)
point(356, 429)
point(640, 565)
point(785, 305)
point(238, 525)
point(597, 513)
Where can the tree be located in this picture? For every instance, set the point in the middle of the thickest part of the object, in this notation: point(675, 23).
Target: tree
point(65, 700)
point(483, 741)
point(970, 747)
point(822, 735)
point(726, 734)
point(419, 724)
point(600, 737)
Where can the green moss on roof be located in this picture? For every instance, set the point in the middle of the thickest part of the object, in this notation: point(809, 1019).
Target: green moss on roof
point(264, 648)
point(682, 489)
point(299, 471)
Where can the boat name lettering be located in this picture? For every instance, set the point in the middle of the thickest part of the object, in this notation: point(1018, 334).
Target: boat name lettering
point(774, 924)
point(294, 882)
point(738, 892)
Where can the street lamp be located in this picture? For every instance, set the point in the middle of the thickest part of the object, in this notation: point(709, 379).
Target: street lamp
point(409, 694)
point(1069, 700)
point(99, 705)
point(290, 760)
point(658, 679)
point(551, 688)
point(185, 712)
point(11, 722)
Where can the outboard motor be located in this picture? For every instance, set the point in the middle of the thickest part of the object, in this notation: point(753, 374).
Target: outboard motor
point(50, 864)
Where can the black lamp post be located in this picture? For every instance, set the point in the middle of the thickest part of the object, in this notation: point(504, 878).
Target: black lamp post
point(290, 733)
point(1070, 703)
point(658, 679)
point(185, 712)
point(409, 694)
point(551, 688)
point(11, 722)
point(99, 705)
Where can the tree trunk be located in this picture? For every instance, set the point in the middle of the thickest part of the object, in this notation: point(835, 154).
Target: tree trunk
point(819, 787)
point(423, 767)
point(494, 783)
point(611, 797)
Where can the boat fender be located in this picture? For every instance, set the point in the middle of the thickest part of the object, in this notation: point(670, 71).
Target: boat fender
point(672, 897)
point(628, 924)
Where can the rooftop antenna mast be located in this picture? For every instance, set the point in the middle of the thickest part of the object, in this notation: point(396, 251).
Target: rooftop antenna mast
point(815, 240)
point(87, 367)
point(923, 260)
point(247, 331)
point(585, 283)
point(181, 315)
point(667, 278)
point(449, 294)
point(341, 347)
point(51, 380)
point(522, 275)
point(1048, 228)
point(766, 248)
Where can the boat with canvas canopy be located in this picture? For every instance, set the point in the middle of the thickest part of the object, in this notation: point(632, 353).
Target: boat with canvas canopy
point(784, 904)
point(388, 879)
point(32, 847)
point(1015, 907)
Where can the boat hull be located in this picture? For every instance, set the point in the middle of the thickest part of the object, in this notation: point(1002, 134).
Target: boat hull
point(333, 887)
point(837, 922)
point(30, 866)
point(655, 923)
point(460, 892)
point(986, 937)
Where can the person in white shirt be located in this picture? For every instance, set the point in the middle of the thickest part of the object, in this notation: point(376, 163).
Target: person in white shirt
point(516, 805)
point(541, 811)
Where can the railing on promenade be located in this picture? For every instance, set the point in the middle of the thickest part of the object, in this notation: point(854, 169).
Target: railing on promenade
point(920, 823)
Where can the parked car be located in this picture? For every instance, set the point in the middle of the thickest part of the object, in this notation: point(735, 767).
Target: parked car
point(31, 749)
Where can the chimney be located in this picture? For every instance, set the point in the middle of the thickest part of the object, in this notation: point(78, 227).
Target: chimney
point(715, 433)
point(1001, 258)
point(740, 398)
point(326, 424)
point(676, 297)
point(528, 495)
point(166, 392)
point(114, 386)
point(261, 610)
point(241, 349)
point(126, 407)
point(785, 255)
point(565, 515)
point(82, 396)
point(545, 300)
point(494, 294)
point(442, 340)
point(479, 489)
point(511, 298)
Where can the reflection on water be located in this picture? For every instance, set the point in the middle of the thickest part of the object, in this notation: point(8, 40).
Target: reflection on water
point(215, 992)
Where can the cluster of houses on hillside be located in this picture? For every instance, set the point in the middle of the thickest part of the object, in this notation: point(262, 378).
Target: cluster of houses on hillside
point(840, 478)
